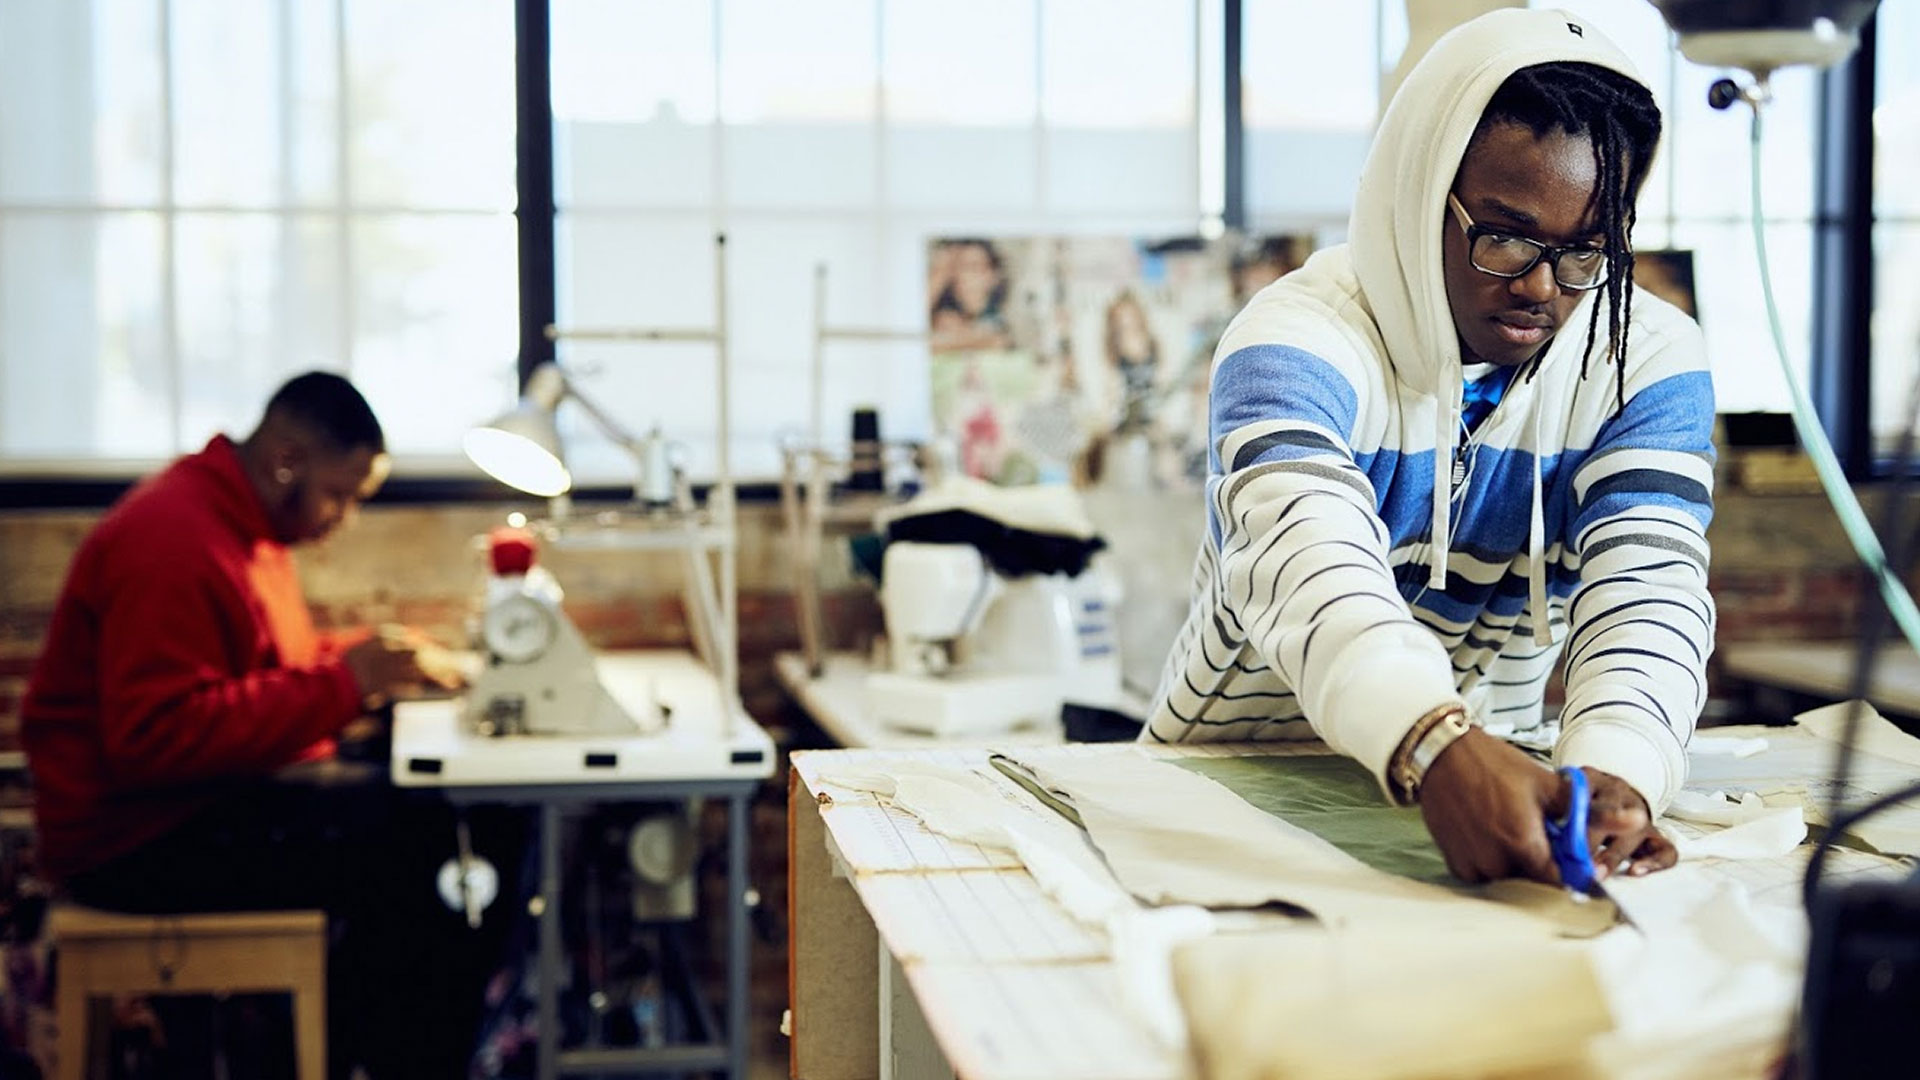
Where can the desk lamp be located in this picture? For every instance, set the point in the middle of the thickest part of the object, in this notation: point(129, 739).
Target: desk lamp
point(521, 447)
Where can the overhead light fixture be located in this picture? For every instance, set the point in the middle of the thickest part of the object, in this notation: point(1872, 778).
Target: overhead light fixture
point(1764, 35)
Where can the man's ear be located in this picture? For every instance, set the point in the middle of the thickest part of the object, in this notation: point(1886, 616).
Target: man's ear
point(287, 459)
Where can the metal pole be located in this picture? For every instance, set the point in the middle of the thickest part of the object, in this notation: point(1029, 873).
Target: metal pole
point(1234, 201)
point(729, 554)
point(818, 387)
point(739, 805)
point(533, 158)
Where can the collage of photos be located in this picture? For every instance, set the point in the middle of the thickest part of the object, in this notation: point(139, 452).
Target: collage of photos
point(1086, 359)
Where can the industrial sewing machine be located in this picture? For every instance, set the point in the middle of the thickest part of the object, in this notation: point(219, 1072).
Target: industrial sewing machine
point(973, 650)
point(540, 676)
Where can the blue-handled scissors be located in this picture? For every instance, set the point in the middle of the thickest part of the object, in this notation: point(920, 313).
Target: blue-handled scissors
point(1568, 836)
point(1568, 839)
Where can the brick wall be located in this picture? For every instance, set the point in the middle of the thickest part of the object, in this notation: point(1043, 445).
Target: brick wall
point(420, 566)
point(1782, 570)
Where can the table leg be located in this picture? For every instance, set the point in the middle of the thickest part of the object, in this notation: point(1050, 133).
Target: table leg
point(738, 964)
point(547, 1052)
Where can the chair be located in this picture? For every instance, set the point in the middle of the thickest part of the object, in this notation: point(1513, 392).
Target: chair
point(104, 952)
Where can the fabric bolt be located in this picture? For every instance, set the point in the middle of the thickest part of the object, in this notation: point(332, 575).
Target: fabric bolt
point(1347, 585)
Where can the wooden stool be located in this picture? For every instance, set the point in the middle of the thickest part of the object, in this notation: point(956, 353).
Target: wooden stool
point(243, 952)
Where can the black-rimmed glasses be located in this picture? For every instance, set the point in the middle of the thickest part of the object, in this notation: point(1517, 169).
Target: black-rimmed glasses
point(1576, 266)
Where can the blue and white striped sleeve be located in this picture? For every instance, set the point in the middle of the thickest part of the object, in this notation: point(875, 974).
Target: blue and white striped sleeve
point(1641, 620)
point(1303, 573)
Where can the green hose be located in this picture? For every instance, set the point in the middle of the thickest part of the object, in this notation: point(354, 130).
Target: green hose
point(1814, 438)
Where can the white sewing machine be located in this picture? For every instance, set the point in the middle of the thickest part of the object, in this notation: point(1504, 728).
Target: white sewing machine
point(972, 651)
point(544, 708)
point(539, 675)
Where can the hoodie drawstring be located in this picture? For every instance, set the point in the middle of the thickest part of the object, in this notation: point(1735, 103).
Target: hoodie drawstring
point(1446, 421)
point(1537, 544)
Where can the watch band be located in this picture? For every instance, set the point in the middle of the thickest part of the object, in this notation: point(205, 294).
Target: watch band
point(1429, 735)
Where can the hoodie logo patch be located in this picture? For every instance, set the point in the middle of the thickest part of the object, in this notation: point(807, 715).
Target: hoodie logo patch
point(1578, 31)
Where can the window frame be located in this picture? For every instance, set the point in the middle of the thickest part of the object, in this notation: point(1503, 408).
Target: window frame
point(1842, 373)
point(1843, 225)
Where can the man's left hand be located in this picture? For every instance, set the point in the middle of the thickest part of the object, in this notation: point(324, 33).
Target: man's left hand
point(1487, 803)
point(1620, 831)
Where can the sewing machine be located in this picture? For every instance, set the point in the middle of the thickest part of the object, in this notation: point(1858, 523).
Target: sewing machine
point(540, 676)
point(974, 651)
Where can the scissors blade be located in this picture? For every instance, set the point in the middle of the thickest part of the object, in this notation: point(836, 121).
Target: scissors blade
point(1568, 838)
point(1599, 892)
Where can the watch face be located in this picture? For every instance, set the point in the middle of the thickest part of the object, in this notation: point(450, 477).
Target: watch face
point(518, 629)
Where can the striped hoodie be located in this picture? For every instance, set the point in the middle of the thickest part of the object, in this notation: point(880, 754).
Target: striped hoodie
point(1346, 586)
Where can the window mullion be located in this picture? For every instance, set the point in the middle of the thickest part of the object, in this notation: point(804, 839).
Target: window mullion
point(169, 264)
point(343, 186)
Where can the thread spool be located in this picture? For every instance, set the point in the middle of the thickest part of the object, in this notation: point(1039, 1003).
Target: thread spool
point(655, 487)
point(866, 471)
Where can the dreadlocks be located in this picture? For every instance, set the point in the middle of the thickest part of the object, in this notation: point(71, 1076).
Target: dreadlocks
point(1618, 116)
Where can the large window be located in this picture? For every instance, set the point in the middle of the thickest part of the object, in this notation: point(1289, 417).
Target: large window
point(199, 198)
point(1311, 76)
point(1896, 230)
point(841, 133)
point(1697, 199)
point(1310, 110)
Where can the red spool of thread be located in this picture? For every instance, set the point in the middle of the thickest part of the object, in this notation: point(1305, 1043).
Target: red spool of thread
point(511, 550)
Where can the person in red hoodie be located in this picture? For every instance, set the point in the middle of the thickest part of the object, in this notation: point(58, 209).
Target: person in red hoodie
point(182, 670)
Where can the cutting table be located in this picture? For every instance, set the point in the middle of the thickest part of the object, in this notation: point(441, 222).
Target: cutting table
point(932, 957)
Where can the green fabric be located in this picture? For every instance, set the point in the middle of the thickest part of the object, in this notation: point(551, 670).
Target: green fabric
point(1337, 800)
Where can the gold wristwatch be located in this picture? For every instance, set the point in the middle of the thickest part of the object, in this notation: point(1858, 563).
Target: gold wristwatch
point(1429, 735)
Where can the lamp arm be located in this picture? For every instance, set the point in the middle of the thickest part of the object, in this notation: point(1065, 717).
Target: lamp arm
point(607, 424)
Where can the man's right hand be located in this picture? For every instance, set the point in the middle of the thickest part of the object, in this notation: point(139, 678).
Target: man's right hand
point(1486, 804)
point(383, 665)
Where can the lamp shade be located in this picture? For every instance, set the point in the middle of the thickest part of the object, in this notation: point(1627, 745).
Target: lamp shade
point(522, 450)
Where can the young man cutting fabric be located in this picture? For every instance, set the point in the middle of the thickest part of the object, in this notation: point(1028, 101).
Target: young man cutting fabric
point(1459, 448)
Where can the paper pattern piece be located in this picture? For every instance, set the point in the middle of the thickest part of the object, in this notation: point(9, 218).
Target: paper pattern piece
point(1749, 828)
point(1798, 764)
point(1174, 837)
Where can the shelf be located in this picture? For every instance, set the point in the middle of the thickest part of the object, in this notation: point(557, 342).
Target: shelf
point(667, 531)
point(836, 700)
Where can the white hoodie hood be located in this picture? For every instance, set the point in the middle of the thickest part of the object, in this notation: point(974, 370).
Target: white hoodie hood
point(1400, 211)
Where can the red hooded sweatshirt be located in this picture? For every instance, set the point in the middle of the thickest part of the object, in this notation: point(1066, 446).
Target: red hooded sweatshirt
point(181, 653)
